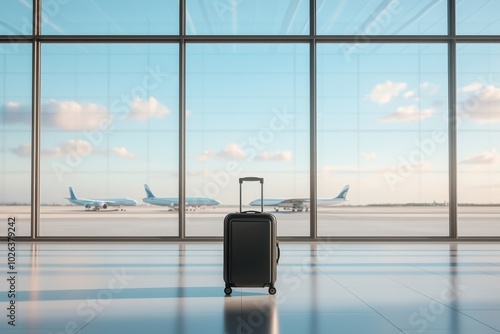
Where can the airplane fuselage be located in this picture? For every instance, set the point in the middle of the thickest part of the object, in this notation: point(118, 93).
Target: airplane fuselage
point(100, 203)
point(300, 204)
point(174, 202)
point(304, 205)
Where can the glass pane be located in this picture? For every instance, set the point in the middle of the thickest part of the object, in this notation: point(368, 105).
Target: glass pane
point(478, 139)
point(248, 115)
point(109, 127)
point(16, 17)
point(238, 17)
point(479, 17)
point(15, 134)
point(382, 17)
point(382, 131)
point(110, 17)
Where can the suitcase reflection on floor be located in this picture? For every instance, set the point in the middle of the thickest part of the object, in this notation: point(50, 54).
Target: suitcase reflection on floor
point(255, 314)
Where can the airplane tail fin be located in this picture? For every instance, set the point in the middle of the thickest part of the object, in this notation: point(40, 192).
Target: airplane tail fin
point(343, 193)
point(72, 193)
point(149, 194)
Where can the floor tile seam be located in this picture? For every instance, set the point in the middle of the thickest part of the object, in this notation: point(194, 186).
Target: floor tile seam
point(447, 306)
point(456, 272)
point(91, 321)
point(489, 273)
point(361, 300)
point(419, 269)
point(432, 272)
point(456, 310)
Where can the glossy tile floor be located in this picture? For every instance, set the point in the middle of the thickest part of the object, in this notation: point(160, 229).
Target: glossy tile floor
point(322, 288)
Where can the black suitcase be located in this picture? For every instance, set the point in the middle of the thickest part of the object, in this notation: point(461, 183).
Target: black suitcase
point(251, 248)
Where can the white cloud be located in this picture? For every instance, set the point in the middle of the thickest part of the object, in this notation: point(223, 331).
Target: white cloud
point(23, 150)
point(276, 156)
point(483, 158)
point(409, 94)
point(144, 110)
point(384, 92)
point(408, 114)
point(64, 115)
point(369, 156)
point(55, 152)
point(123, 153)
point(74, 116)
point(483, 107)
point(15, 112)
point(476, 85)
point(80, 147)
point(232, 151)
point(431, 88)
point(206, 155)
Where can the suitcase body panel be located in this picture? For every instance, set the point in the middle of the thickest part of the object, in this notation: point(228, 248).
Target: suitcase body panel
point(250, 250)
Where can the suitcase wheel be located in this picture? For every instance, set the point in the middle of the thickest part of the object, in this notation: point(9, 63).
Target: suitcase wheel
point(228, 290)
point(272, 290)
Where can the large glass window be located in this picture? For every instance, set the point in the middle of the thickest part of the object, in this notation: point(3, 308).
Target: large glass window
point(381, 17)
point(15, 134)
point(478, 17)
point(16, 18)
point(109, 127)
point(247, 115)
point(382, 131)
point(110, 115)
point(110, 17)
point(478, 139)
point(239, 17)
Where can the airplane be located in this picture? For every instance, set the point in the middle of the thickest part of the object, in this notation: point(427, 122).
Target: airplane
point(301, 204)
point(98, 204)
point(173, 202)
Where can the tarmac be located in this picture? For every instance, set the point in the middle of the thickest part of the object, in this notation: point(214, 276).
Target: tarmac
point(142, 220)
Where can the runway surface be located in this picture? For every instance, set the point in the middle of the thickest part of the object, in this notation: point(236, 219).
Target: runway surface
point(334, 221)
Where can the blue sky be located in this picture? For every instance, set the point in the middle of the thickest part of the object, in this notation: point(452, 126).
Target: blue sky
point(110, 112)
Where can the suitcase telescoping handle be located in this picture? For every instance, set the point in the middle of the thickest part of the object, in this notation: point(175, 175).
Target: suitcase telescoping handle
point(252, 179)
